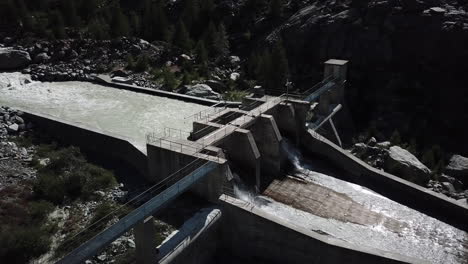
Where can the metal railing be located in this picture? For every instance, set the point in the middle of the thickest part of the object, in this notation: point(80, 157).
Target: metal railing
point(159, 194)
point(169, 132)
point(206, 113)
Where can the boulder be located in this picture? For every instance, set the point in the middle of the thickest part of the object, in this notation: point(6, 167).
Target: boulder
point(458, 168)
point(11, 59)
point(234, 59)
point(122, 80)
point(359, 149)
point(217, 86)
point(234, 76)
point(41, 57)
point(448, 187)
point(372, 142)
point(13, 128)
point(405, 165)
point(384, 145)
point(202, 90)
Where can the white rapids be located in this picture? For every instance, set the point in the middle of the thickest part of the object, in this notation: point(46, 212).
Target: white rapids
point(122, 112)
point(423, 237)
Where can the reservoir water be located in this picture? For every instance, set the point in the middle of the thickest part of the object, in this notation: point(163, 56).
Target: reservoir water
point(125, 113)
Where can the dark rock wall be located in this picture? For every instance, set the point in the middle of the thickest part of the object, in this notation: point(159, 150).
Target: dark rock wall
point(408, 62)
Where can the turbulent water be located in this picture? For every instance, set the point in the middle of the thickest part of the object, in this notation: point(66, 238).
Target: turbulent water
point(395, 228)
point(122, 112)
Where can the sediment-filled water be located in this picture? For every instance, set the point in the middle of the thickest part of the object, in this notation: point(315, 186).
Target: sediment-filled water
point(122, 112)
point(357, 215)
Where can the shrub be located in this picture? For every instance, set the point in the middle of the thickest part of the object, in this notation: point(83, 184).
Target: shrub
point(49, 187)
point(39, 210)
point(19, 244)
point(235, 95)
point(69, 175)
point(142, 63)
point(130, 62)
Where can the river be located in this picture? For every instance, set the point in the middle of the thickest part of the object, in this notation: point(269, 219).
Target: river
point(316, 200)
point(125, 113)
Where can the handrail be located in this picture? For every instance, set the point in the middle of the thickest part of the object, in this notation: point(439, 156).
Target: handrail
point(106, 237)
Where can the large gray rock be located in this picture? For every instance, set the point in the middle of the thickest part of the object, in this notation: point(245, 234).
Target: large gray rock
point(458, 168)
point(405, 165)
point(202, 90)
point(11, 59)
point(41, 57)
point(217, 86)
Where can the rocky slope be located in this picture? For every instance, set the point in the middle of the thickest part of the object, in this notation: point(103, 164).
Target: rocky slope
point(408, 62)
point(452, 181)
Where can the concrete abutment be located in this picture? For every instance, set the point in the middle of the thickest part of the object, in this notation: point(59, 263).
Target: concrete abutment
point(145, 242)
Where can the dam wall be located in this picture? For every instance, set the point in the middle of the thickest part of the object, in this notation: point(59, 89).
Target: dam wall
point(196, 241)
point(106, 80)
point(388, 185)
point(251, 234)
point(100, 142)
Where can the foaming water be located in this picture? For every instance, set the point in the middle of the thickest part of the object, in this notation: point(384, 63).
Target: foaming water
point(122, 112)
point(379, 223)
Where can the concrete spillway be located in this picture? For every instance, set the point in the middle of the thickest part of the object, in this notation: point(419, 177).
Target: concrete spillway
point(121, 112)
point(356, 215)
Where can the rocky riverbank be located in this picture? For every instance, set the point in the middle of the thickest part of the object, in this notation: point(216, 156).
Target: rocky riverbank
point(82, 59)
point(451, 181)
point(22, 161)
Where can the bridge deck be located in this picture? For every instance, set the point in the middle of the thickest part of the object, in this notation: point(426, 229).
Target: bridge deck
point(246, 118)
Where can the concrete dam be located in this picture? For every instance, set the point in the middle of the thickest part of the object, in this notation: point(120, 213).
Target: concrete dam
point(281, 192)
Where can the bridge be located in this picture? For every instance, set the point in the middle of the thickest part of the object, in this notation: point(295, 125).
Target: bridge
point(249, 139)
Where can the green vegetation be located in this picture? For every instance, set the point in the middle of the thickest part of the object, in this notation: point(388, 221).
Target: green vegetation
point(181, 37)
point(235, 95)
point(270, 67)
point(70, 176)
point(24, 231)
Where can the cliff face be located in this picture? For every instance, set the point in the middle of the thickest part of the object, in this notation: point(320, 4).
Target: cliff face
point(409, 61)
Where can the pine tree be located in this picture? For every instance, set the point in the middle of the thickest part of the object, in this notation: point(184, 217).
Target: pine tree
point(9, 13)
point(148, 21)
point(253, 64)
point(210, 37)
point(25, 16)
point(207, 13)
point(221, 44)
point(190, 16)
point(181, 37)
point(119, 24)
point(275, 10)
point(169, 79)
point(202, 53)
point(58, 26)
point(43, 4)
point(70, 13)
point(135, 23)
point(97, 30)
point(142, 63)
point(160, 23)
point(263, 70)
point(279, 67)
point(88, 9)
